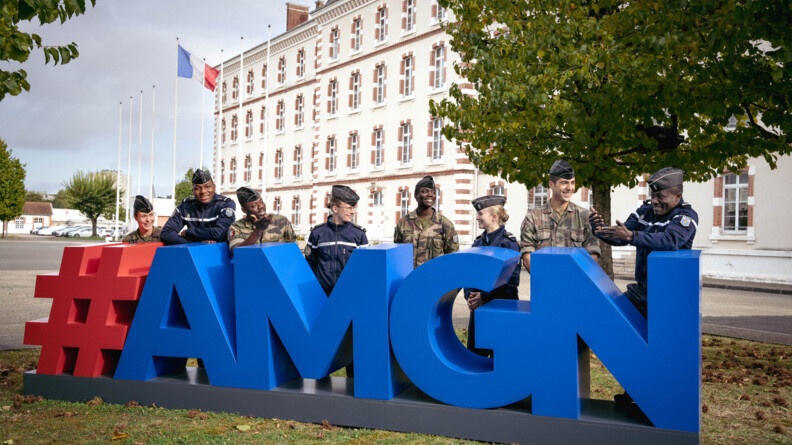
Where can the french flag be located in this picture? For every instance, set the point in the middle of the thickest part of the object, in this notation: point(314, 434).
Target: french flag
point(191, 66)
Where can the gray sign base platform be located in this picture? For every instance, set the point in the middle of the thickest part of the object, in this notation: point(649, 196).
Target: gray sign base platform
point(331, 399)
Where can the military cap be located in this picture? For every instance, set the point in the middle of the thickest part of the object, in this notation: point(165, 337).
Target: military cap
point(345, 194)
point(488, 201)
point(142, 204)
point(562, 169)
point(245, 194)
point(666, 178)
point(201, 177)
point(426, 181)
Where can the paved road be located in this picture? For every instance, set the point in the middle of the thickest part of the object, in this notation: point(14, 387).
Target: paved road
point(753, 315)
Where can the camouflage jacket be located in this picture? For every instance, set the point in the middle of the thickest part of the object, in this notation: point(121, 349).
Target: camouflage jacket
point(439, 238)
point(542, 228)
point(279, 230)
point(134, 237)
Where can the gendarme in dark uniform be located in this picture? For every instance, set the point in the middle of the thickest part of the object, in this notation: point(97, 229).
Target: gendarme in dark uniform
point(664, 222)
point(331, 244)
point(207, 215)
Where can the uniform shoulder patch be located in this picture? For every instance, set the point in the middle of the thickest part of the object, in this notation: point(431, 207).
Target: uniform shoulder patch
point(685, 221)
point(231, 233)
point(229, 212)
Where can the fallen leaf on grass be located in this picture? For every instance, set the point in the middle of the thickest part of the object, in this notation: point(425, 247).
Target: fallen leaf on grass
point(8, 442)
point(243, 427)
point(118, 435)
point(327, 425)
point(96, 401)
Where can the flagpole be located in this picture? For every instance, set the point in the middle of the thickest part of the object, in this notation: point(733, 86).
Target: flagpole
point(266, 121)
point(153, 119)
point(118, 171)
point(203, 110)
point(241, 99)
point(140, 141)
point(219, 126)
point(175, 111)
point(129, 166)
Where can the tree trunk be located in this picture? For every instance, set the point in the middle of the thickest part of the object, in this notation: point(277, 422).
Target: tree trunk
point(602, 202)
point(93, 226)
point(5, 224)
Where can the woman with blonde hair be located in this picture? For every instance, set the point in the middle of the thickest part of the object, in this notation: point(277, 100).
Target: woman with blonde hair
point(491, 216)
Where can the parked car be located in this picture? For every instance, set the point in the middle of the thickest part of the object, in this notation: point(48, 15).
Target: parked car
point(45, 230)
point(62, 230)
point(82, 232)
point(35, 230)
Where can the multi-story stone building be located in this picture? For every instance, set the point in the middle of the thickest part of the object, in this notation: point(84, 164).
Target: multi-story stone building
point(342, 97)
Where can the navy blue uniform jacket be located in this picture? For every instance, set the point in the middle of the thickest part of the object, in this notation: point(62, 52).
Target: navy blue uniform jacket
point(328, 249)
point(500, 238)
point(208, 222)
point(673, 231)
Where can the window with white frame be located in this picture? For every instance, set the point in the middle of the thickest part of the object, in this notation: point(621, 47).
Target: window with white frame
point(19, 223)
point(538, 197)
point(378, 147)
point(409, 15)
point(280, 119)
point(437, 139)
point(233, 171)
point(235, 88)
point(440, 12)
point(497, 189)
point(407, 76)
point(248, 174)
point(332, 97)
point(261, 166)
point(234, 128)
point(225, 92)
point(279, 164)
point(357, 34)
point(300, 63)
point(331, 155)
point(222, 172)
point(250, 87)
point(381, 28)
point(406, 143)
point(404, 202)
point(376, 198)
point(282, 71)
point(379, 95)
point(223, 130)
point(248, 124)
point(334, 43)
point(296, 211)
point(735, 202)
point(297, 162)
point(354, 151)
point(299, 111)
point(438, 72)
point(438, 199)
point(276, 205)
point(354, 91)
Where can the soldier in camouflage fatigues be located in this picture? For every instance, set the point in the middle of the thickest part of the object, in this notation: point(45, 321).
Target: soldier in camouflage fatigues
point(430, 234)
point(144, 215)
point(257, 226)
point(560, 222)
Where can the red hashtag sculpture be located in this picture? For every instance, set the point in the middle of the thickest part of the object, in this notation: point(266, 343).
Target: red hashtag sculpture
point(94, 297)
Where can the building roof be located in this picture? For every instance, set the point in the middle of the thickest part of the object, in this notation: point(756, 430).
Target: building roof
point(37, 208)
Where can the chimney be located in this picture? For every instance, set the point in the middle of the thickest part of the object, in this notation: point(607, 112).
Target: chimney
point(296, 15)
point(318, 4)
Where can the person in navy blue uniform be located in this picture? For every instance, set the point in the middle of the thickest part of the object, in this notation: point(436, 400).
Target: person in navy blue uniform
point(664, 222)
point(206, 215)
point(331, 244)
point(491, 216)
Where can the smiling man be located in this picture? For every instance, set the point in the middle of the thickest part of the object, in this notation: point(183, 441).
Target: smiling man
point(258, 226)
point(203, 217)
point(664, 222)
point(560, 223)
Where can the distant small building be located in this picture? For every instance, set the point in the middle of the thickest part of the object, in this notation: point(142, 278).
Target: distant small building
point(34, 216)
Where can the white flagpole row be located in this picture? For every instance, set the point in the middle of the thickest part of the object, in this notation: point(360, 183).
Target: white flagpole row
point(118, 171)
point(153, 119)
point(129, 166)
point(140, 143)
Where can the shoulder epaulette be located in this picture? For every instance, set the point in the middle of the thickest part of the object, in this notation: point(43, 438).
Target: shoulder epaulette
point(359, 227)
point(188, 199)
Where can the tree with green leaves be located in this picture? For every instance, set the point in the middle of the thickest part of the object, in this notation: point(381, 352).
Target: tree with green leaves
point(12, 186)
point(93, 194)
point(31, 196)
point(61, 200)
point(17, 45)
point(619, 89)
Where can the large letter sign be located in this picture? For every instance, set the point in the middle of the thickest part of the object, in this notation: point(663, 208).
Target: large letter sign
point(268, 339)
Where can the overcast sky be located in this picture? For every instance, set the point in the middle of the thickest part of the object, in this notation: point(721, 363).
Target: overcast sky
point(69, 120)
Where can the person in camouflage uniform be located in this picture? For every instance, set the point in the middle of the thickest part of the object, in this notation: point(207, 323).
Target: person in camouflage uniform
point(430, 234)
point(144, 215)
point(257, 226)
point(560, 223)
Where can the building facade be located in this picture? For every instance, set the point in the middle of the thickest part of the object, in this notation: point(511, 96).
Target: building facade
point(342, 97)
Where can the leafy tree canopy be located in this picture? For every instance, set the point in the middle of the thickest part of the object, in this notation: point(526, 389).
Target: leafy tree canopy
point(93, 194)
point(31, 196)
point(12, 186)
point(16, 45)
point(610, 86)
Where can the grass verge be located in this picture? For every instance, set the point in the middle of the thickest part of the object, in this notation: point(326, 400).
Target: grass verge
point(747, 389)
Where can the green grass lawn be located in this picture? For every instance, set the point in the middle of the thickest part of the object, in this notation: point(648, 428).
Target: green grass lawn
point(747, 389)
